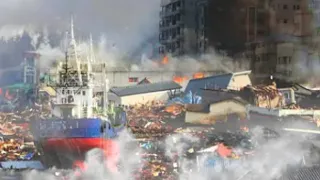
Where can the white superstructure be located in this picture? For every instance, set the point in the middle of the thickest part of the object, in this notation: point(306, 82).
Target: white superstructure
point(75, 96)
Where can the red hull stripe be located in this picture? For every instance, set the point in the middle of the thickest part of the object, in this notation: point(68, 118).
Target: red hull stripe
point(82, 144)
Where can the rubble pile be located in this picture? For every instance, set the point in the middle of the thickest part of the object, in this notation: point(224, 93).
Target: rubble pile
point(155, 167)
point(16, 141)
point(265, 96)
point(25, 115)
point(149, 118)
point(292, 106)
point(221, 146)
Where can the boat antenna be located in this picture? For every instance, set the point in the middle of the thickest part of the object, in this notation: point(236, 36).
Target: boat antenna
point(66, 69)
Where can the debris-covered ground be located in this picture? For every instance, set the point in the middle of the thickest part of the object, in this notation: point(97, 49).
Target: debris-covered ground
point(150, 119)
point(17, 108)
point(168, 151)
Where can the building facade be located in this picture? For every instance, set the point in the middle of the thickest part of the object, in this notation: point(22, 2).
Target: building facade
point(291, 31)
point(178, 27)
point(143, 93)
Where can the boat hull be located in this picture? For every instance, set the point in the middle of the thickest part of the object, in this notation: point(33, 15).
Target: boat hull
point(63, 152)
point(62, 142)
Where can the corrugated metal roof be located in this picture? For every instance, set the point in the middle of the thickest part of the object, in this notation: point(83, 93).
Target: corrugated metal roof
point(305, 173)
point(145, 88)
point(212, 82)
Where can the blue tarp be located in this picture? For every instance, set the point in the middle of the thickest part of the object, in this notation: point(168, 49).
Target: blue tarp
point(28, 156)
point(219, 164)
point(146, 145)
point(22, 165)
point(189, 98)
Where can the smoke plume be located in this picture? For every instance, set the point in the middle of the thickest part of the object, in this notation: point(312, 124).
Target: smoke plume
point(270, 161)
point(126, 23)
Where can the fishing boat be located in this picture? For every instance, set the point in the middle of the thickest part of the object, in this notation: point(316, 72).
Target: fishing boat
point(74, 128)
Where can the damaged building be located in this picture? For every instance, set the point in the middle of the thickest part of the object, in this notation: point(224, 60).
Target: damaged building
point(143, 93)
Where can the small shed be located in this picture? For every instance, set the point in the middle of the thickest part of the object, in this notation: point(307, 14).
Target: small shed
point(232, 81)
point(143, 93)
point(216, 111)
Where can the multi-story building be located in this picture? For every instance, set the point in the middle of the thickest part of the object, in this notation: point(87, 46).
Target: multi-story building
point(290, 31)
point(202, 25)
point(178, 27)
point(192, 26)
point(230, 24)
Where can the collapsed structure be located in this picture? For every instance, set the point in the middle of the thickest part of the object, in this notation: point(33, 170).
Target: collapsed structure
point(263, 96)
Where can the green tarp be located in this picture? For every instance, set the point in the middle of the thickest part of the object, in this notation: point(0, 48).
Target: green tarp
point(25, 87)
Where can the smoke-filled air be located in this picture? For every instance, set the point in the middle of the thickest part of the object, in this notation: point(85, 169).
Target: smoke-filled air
point(156, 89)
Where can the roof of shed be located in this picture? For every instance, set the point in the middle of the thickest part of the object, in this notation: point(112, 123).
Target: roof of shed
point(213, 82)
point(304, 173)
point(145, 88)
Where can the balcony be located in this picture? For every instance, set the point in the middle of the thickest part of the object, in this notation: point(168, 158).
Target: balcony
point(170, 13)
point(170, 25)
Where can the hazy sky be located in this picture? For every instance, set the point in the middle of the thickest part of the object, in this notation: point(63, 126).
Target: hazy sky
point(124, 22)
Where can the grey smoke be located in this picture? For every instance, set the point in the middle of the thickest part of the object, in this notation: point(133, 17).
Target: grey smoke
point(23, 23)
point(126, 23)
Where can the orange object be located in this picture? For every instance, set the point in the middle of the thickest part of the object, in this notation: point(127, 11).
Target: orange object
point(198, 75)
point(180, 79)
point(8, 96)
point(165, 60)
point(223, 150)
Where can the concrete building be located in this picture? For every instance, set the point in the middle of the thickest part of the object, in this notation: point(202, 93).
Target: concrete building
point(291, 30)
point(230, 24)
point(190, 26)
point(202, 26)
point(232, 81)
point(274, 55)
point(143, 93)
point(178, 27)
point(291, 17)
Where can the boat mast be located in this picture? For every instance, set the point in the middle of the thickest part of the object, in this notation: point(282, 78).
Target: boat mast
point(89, 84)
point(92, 58)
point(73, 51)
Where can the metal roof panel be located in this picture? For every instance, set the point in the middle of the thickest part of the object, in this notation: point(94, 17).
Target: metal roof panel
point(145, 88)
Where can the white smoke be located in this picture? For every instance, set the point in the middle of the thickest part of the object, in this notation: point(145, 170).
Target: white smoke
point(125, 22)
point(211, 61)
point(269, 162)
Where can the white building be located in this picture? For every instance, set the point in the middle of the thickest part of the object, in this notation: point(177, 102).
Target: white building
point(131, 95)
